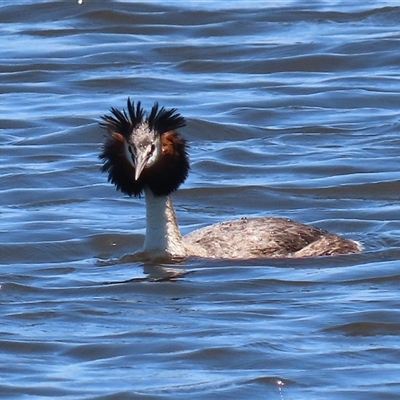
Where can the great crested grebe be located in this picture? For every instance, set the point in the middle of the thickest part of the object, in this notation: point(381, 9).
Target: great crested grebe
point(144, 153)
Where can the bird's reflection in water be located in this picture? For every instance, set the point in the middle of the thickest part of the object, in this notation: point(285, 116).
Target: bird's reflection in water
point(155, 270)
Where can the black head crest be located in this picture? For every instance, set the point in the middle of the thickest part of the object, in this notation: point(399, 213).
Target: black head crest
point(162, 120)
point(170, 169)
point(120, 122)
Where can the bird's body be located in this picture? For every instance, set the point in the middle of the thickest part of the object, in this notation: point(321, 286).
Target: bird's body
point(146, 155)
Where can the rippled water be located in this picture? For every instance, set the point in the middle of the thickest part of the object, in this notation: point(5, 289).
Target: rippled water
point(292, 110)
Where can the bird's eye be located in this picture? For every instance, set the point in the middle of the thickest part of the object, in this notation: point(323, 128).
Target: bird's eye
point(132, 153)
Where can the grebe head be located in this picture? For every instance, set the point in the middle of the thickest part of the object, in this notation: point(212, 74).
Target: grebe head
point(144, 150)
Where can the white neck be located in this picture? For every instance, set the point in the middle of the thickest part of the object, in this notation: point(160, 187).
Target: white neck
point(162, 231)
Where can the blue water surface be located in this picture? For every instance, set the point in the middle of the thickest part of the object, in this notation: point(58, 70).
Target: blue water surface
point(292, 110)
